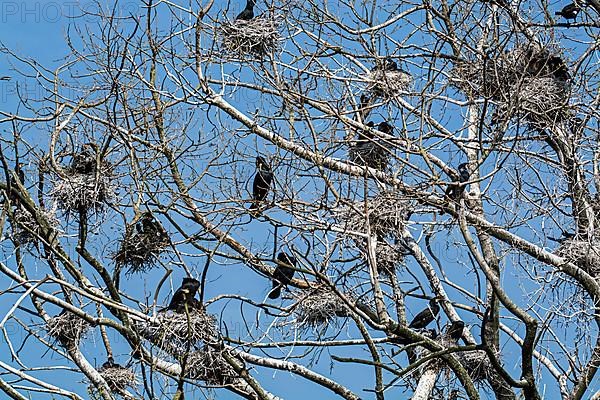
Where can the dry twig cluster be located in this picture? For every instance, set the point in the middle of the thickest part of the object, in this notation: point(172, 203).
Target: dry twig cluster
point(67, 328)
point(258, 36)
point(318, 306)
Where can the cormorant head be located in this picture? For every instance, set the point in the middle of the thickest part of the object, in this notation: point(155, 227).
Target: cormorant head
point(385, 128)
point(261, 163)
point(464, 172)
point(284, 258)
point(370, 124)
point(191, 283)
point(389, 64)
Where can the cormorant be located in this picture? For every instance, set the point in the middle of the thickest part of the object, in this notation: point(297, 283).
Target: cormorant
point(84, 162)
point(558, 68)
point(185, 295)
point(385, 128)
point(388, 65)
point(261, 185)
point(248, 13)
point(455, 330)
point(284, 272)
point(425, 317)
point(569, 11)
point(110, 363)
point(454, 191)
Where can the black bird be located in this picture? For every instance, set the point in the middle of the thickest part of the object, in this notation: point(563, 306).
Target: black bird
point(385, 128)
point(13, 183)
point(454, 191)
point(284, 272)
point(569, 11)
point(261, 185)
point(558, 68)
point(84, 162)
point(110, 363)
point(248, 13)
point(455, 330)
point(425, 317)
point(185, 295)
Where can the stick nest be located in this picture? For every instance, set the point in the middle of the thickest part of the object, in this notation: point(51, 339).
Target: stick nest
point(75, 192)
point(388, 215)
point(173, 333)
point(528, 81)
point(373, 153)
point(140, 248)
point(119, 378)
point(210, 366)
point(67, 328)
point(477, 364)
point(258, 36)
point(583, 252)
point(318, 306)
point(388, 256)
point(26, 229)
point(388, 83)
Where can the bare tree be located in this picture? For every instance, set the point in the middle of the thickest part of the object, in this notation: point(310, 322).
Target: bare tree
point(409, 189)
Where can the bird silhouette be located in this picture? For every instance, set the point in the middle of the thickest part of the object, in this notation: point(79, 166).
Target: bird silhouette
point(387, 65)
point(425, 317)
point(569, 11)
point(455, 330)
point(248, 13)
point(283, 274)
point(261, 185)
point(455, 191)
point(185, 295)
point(84, 162)
point(110, 363)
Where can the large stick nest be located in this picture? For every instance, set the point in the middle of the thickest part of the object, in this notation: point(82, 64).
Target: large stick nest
point(373, 153)
point(140, 248)
point(388, 256)
point(528, 81)
point(67, 328)
point(388, 214)
point(175, 333)
point(318, 306)
point(26, 228)
point(583, 252)
point(210, 366)
point(388, 83)
point(477, 364)
point(119, 378)
point(75, 192)
point(258, 36)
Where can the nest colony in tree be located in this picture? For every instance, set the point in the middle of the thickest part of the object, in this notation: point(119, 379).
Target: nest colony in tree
point(530, 82)
point(67, 328)
point(388, 214)
point(176, 333)
point(318, 306)
point(583, 252)
point(210, 366)
point(119, 378)
point(26, 229)
point(388, 83)
point(86, 185)
point(144, 240)
point(258, 36)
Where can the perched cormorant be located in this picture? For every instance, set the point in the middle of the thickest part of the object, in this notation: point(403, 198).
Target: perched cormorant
point(558, 68)
point(569, 11)
point(248, 13)
point(455, 330)
point(385, 128)
point(110, 363)
point(454, 191)
point(261, 184)
point(388, 65)
point(425, 317)
point(185, 295)
point(284, 272)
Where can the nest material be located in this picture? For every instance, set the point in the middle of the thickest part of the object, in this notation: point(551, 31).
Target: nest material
point(26, 229)
point(373, 153)
point(389, 257)
point(140, 249)
point(477, 364)
point(388, 83)
point(388, 213)
point(527, 81)
point(318, 306)
point(210, 366)
point(119, 378)
point(75, 192)
point(583, 252)
point(258, 36)
point(67, 328)
point(173, 333)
